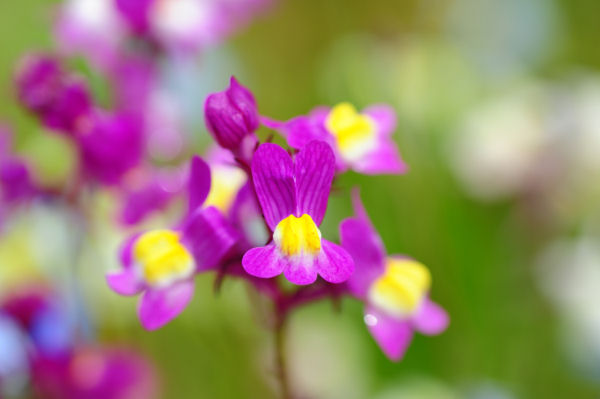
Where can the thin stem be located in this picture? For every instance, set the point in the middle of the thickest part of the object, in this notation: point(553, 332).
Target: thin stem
point(280, 358)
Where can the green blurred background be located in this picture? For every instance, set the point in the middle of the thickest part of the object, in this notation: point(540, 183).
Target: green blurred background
point(433, 60)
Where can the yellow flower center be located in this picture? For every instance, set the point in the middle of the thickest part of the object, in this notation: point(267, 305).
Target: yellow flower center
point(354, 132)
point(402, 287)
point(162, 258)
point(225, 184)
point(297, 236)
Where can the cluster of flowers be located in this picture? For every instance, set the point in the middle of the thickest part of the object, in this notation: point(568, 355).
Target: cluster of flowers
point(253, 208)
point(129, 44)
point(265, 222)
point(42, 348)
point(135, 43)
point(102, 29)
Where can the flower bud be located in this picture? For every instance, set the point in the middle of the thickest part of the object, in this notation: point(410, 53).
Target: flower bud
point(231, 115)
point(58, 99)
point(37, 79)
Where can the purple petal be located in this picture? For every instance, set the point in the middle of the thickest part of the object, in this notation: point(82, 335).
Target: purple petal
point(159, 306)
point(431, 318)
point(315, 167)
point(141, 202)
point(365, 246)
point(15, 180)
point(134, 78)
point(385, 118)
point(301, 130)
point(209, 237)
point(392, 335)
point(385, 159)
point(111, 145)
point(301, 271)
point(125, 282)
point(263, 262)
point(247, 218)
point(272, 172)
point(38, 78)
point(72, 102)
point(231, 115)
point(199, 182)
point(135, 13)
point(126, 251)
point(334, 264)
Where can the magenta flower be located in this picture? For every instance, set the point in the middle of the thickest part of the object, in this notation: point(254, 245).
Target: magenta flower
point(293, 195)
point(61, 101)
point(15, 180)
point(110, 144)
point(395, 289)
point(231, 116)
point(187, 26)
point(95, 373)
point(147, 190)
point(92, 28)
point(136, 13)
point(361, 141)
point(162, 263)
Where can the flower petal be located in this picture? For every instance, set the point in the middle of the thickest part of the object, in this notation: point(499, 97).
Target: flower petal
point(385, 159)
point(125, 282)
point(334, 264)
point(301, 271)
point(158, 307)
point(392, 335)
point(272, 172)
point(208, 236)
point(315, 168)
point(385, 118)
point(364, 245)
point(138, 204)
point(264, 262)
point(431, 318)
point(303, 129)
point(126, 251)
point(199, 182)
point(247, 218)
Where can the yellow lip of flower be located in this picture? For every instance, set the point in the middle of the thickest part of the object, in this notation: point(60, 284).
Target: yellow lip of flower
point(402, 288)
point(297, 236)
point(354, 132)
point(162, 258)
point(225, 184)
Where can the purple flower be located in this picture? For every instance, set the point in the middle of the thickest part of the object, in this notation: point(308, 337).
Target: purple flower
point(92, 28)
point(95, 373)
point(361, 141)
point(15, 180)
point(394, 288)
point(147, 191)
point(136, 13)
point(293, 195)
point(70, 106)
point(187, 26)
point(37, 79)
point(134, 79)
point(162, 263)
point(110, 145)
point(231, 115)
point(59, 100)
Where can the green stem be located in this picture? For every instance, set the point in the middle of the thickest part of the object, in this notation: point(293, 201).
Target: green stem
point(280, 357)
